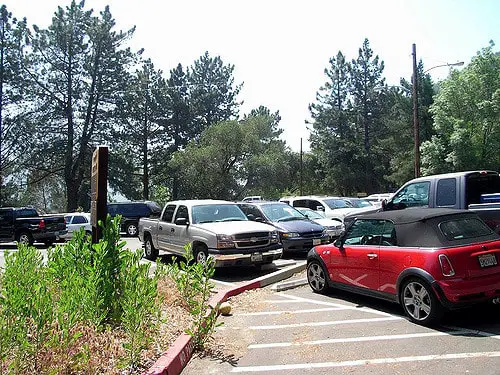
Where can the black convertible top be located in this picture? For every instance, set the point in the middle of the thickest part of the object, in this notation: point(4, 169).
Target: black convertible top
point(419, 227)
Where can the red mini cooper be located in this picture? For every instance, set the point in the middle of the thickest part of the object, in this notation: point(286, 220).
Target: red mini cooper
point(428, 260)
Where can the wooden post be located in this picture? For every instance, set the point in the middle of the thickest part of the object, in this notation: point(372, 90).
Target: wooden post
point(99, 191)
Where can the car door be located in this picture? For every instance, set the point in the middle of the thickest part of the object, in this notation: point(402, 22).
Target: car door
point(6, 225)
point(179, 232)
point(356, 263)
point(165, 230)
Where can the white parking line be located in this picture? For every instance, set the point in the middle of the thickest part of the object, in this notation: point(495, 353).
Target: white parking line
point(364, 362)
point(281, 301)
point(355, 339)
point(308, 311)
point(324, 303)
point(327, 323)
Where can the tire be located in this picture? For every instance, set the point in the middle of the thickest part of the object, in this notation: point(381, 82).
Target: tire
point(200, 254)
point(131, 229)
point(150, 252)
point(316, 277)
point(48, 242)
point(25, 238)
point(419, 302)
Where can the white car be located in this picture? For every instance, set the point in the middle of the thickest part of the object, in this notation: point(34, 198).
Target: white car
point(335, 208)
point(75, 221)
point(333, 227)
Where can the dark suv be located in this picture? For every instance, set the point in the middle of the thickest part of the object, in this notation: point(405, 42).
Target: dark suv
point(131, 212)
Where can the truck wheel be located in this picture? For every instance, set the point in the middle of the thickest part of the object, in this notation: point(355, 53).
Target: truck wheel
point(25, 238)
point(150, 252)
point(48, 242)
point(200, 254)
point(132, 229)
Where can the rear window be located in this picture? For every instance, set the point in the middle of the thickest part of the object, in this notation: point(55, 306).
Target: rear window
point(459, 229)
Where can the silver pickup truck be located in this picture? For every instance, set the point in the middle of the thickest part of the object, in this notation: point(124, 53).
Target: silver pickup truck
point(215, 228)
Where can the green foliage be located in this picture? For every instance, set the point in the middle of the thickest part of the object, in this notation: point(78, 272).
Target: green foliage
point(466, 113)
point(139, 305)
point(27, 305)
point(233, 158)
point(193, 282)
point(44, 306)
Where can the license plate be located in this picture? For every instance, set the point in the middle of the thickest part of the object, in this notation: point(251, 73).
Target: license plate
point(487, 260)
point(316, 241)
point(256, 257)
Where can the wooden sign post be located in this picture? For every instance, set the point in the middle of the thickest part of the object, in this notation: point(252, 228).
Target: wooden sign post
point(99, 191)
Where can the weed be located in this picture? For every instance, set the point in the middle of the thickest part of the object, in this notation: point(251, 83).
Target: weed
point(193, 281)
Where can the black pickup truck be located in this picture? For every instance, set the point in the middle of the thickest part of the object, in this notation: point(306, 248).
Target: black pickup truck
point(478, 191)
point(25, 225)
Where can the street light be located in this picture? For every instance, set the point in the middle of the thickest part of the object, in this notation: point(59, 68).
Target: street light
point(459, 63)
point(416, 125)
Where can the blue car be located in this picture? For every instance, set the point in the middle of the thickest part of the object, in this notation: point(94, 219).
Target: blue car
point(297, 232)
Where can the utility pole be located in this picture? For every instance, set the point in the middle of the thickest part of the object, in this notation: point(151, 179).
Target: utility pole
point(416, 125)
point(301, 166)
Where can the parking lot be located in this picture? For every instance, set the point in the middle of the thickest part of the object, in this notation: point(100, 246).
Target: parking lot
point(297, 332)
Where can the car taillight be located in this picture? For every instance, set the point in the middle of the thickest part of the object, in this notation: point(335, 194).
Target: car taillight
point(41, 224)
point(446, 266)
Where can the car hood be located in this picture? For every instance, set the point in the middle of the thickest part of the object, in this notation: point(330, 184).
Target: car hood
point(327, 222)
point(234, 227)
point(300, 226)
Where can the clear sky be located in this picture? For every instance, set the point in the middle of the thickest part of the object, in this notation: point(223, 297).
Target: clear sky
point(280, 48)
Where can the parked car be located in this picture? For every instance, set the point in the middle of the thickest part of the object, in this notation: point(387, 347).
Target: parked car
point(333, 207)
point(427, 260)
point(214, 228)
point(376, 199)
point(25, 225)
point(472, 190)
point(297, 232)
point(333, 227)
point(131, 212)
point(253, 198)
point(74, 222)
point(358, 202)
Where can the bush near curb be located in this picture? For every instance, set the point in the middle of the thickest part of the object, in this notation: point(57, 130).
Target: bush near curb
point(90, 308)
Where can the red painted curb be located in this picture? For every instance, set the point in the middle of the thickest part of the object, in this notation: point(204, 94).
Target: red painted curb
point(173, 361)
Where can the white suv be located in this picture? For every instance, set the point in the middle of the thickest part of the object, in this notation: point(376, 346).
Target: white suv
point(334, 208)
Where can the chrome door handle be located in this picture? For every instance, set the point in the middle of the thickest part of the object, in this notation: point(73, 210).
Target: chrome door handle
point(372, 256)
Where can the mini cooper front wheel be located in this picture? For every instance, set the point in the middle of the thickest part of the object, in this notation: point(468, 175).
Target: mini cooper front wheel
point(316, 277)
point(419, 302)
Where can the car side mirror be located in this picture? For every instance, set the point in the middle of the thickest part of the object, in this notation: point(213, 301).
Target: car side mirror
point(182, 221)
point(339, 242)
point(320, 208)
point(251, 217)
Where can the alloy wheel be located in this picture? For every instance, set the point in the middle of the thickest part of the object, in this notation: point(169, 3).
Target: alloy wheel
point(316, 277)
point(417, 301)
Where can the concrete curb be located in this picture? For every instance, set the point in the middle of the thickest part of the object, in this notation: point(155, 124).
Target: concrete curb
point(173, 361)
point(289, 284)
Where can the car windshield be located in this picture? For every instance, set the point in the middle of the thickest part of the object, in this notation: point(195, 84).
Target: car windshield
point(336, 203)
point(311, 214)
point(358, 203)
point(281, 212)
point(209, 213)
